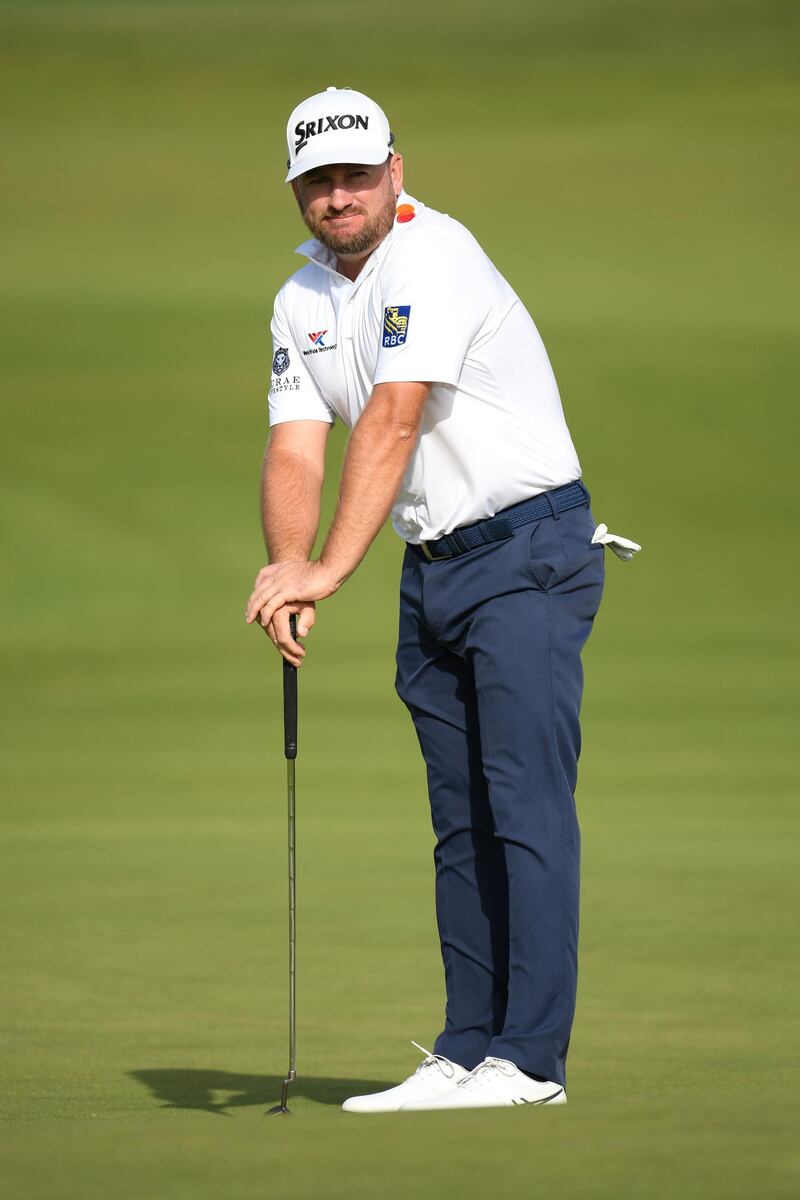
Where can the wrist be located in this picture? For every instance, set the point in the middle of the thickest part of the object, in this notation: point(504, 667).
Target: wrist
point(333, 573)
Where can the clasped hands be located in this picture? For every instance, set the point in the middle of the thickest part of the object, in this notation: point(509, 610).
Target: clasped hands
point(284, 588)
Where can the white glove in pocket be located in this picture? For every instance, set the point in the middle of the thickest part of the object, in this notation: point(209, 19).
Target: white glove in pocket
point(622, 547)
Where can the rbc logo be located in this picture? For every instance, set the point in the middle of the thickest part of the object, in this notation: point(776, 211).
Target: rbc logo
point(395, 325)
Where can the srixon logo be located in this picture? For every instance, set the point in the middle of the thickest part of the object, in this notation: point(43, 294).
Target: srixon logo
point(304, 130)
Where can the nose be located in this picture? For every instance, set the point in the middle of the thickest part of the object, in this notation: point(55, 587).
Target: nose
point(340, 198)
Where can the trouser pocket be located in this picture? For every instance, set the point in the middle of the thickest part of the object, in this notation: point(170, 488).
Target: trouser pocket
point(559, 548)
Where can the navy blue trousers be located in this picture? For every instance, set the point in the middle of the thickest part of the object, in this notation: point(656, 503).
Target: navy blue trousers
point(488, 664)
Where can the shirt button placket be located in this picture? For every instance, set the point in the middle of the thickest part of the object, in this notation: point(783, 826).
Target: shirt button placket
point(348, 365)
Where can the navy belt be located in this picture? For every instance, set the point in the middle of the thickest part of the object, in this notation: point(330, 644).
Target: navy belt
point(502, 524)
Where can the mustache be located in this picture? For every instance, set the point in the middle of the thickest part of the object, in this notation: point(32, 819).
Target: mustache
point(352, 210)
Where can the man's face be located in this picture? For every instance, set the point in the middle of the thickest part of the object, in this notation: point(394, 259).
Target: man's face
point(348, 207)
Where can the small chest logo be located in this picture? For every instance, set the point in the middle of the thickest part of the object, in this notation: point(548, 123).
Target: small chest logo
point(395, 325)
point(318, 343)
point(280, 362)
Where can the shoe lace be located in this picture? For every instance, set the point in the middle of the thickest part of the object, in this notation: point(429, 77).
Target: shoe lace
point(433, 1060)
point(479, 1075)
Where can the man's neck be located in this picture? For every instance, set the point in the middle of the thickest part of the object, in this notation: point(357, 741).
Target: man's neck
point(350, 266)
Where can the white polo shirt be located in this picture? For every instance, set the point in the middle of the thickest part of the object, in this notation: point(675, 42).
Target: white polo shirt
point(428, 306)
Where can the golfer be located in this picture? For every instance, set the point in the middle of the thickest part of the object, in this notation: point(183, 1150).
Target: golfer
point(400, 326)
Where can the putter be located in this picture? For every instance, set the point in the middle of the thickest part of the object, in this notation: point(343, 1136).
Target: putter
point(290, 753)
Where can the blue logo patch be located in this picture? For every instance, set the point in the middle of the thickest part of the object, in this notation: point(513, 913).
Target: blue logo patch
point(395, 324)
point(280, 362)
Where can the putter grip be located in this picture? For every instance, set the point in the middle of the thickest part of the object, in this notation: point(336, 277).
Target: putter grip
point(290, 701)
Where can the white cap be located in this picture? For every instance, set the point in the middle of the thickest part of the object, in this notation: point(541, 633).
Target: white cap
point(336, 126)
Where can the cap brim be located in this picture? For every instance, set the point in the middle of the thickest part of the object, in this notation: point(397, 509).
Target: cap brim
point(352, 152)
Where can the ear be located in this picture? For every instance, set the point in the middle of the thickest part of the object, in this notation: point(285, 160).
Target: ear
point(396, 172)
point(296, 190)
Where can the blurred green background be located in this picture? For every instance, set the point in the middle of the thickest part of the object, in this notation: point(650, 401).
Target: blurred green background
point(631, 168)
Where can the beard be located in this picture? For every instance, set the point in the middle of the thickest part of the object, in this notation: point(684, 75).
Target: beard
point(367, 238)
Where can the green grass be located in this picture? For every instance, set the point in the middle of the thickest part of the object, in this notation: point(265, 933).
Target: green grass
point(630, 167)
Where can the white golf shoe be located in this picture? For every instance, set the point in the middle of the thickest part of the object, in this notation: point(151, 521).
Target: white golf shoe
point(494, 1083)
point(434, 1076)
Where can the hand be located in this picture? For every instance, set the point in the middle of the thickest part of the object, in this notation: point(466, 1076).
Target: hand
point(279, 631)
point(288, 583)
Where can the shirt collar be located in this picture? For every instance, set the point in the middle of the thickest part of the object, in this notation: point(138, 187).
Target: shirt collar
point(325, 258)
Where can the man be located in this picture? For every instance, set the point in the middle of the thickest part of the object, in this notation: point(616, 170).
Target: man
point(401, 326)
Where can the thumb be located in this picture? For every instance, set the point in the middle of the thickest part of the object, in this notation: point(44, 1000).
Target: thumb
point(306, 619)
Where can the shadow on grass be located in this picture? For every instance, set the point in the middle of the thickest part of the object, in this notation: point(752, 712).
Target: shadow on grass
point(218, 1091)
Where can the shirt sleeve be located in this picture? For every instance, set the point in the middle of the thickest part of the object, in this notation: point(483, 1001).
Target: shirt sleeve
point(293, 394)
point(434, 301)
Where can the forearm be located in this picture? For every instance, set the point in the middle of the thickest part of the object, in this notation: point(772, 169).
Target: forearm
point(291, 488)
point(378, 453)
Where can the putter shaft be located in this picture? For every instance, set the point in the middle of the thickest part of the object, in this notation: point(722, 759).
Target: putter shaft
point(292, 933)
point(290, 753)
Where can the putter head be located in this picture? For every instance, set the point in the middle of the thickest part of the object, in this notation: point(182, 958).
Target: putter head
point(283, 1107)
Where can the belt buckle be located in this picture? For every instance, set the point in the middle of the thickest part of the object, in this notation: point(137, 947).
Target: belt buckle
point(426, 551)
